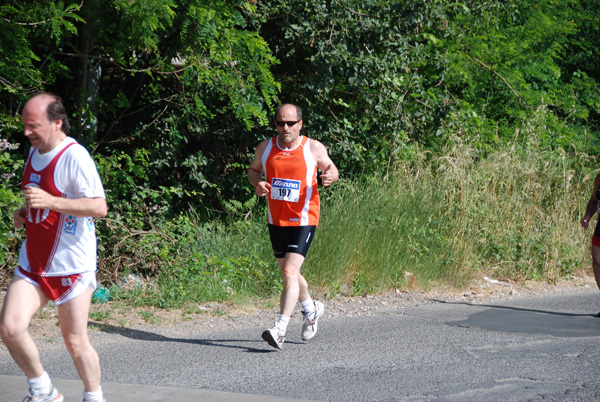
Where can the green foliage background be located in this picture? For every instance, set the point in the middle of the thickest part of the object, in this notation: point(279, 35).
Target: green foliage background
point(172, 96)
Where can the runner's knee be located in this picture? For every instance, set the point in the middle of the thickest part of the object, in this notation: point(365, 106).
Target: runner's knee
point(290, 276)
point(10, 330)
point(76, 343)
point(12, 325)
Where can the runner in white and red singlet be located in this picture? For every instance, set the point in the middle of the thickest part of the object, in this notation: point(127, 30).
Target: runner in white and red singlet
point(285, 170)
point(57, 262)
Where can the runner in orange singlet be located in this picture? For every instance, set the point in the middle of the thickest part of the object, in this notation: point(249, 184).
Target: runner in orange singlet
point(285, 170)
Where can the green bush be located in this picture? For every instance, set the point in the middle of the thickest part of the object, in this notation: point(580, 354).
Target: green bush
point(187, 261)
point(11, 198)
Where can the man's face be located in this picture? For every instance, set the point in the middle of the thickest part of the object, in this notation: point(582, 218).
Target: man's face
point(43, 134)
point(284, 121)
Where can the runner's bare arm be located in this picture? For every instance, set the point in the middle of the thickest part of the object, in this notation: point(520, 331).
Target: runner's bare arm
point(329, 172)
point(255, 172)
point(592, 206)
point(40, 199)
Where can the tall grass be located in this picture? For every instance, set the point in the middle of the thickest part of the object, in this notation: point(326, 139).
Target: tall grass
point(449, 219)
point(437, 221)
point(214, 261)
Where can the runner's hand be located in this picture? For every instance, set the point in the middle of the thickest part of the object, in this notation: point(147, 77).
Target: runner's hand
point(263, 188)
point(327, 176)
point(19, 217)
point(38, 198)
point(585, 221)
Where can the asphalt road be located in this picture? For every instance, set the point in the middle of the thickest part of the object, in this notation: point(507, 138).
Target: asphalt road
point(542, 348)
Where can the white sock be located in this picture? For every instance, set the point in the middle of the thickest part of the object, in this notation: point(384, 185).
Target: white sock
point(95, 396)
point(42, 385)
point(282, 322)
point(308, 306)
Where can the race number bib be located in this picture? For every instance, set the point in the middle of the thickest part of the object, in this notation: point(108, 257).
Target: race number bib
point(285, 190)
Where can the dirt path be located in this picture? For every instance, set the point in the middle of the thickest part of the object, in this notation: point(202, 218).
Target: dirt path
point(45, 324)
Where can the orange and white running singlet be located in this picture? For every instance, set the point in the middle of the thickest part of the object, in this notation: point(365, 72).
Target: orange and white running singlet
point(292, 173)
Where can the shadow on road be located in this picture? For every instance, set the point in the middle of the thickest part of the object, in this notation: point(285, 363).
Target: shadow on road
point(516, 308)
point(527, 320)
point(151, 336)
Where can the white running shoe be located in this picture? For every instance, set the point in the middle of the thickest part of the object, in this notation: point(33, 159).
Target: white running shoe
point(309, 327)
point(274, 337)
point(53, 396)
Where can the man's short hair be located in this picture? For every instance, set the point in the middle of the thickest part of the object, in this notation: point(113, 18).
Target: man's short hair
point(298, 110)
point(56, 110)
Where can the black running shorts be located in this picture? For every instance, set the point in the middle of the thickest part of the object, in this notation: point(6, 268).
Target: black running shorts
point(291, 239)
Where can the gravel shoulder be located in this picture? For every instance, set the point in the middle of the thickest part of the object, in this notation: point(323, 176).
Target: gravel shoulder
point(119, 316)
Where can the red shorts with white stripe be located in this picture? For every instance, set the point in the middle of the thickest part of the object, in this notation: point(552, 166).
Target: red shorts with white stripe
point(60, 289)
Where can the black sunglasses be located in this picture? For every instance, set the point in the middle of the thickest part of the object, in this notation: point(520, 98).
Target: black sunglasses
point(289, 123)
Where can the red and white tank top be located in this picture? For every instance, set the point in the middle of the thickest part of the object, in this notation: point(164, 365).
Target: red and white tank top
point(292, 173)
point(56, 244)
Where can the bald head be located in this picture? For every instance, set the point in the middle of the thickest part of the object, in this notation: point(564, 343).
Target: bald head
point(52, 105)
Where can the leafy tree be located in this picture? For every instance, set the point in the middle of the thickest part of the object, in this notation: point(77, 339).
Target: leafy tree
point(381, 78)
point(26, 28)
point(507, 65)
point(146, 79)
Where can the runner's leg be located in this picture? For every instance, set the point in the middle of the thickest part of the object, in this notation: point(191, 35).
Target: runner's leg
point(293, 282)
point(73, 324)
point(21, 302)
point(596, 263)
point(303, 288)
